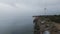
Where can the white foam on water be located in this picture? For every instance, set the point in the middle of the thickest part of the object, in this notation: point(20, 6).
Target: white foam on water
point(46, 32)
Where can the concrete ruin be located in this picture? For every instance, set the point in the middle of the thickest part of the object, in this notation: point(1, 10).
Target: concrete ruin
point(47, 24)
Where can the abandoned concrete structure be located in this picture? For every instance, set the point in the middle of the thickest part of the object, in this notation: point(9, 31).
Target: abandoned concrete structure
point(47, 23)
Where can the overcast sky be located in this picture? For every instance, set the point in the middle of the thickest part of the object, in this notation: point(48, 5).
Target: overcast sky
point(20, 12)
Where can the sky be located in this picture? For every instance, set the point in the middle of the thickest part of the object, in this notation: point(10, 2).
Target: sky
point(16, 15)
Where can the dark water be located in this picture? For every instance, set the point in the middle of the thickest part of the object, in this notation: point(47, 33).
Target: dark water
point(22, 25)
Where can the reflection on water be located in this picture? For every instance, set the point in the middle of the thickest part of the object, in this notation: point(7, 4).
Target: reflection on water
point(46, 32)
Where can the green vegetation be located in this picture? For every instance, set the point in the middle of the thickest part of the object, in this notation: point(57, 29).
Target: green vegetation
point(55, 18)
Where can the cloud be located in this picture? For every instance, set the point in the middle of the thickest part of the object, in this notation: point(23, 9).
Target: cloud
point(21, 6)
point(5, 6)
